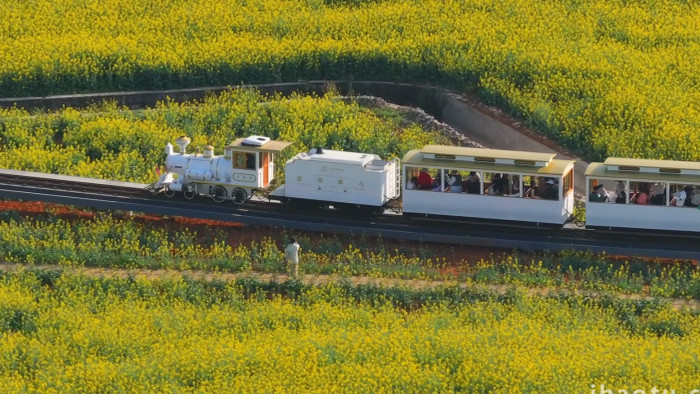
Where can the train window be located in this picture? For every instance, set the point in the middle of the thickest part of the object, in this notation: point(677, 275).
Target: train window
point(682, 195)
point(606, 190)
point(244, 160)
point(250, 161)
point(340, 181)
point(569, 182)
point(473, 184)
point(648, 193)
point(239, 160)
point(424, 178)
point(540, 187)
point(501, 184)
point(298, 178)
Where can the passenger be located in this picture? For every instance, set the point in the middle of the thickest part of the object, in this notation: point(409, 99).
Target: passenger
point(538, 191)
point(515, 186)
point(412, 183)
point(437, 182)
point(473, 183)
point(531, 191)
point(455, 182)
point(505, 187)
point(657, 194)
point(679, 197)
point(642, 195)
point(495, 188)
point(621, 192)
point(425, 181)
point(552, 189)
point(695, 198)
point(689, 189)
point(599, 194)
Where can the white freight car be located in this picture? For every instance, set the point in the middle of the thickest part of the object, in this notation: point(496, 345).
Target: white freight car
point(340, 179)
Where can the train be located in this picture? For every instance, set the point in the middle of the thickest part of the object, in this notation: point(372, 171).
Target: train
point(445, 183)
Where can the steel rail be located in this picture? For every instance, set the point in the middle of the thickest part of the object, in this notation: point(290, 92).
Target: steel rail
point(276, 215)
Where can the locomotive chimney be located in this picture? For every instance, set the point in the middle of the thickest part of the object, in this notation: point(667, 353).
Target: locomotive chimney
point(182, 143)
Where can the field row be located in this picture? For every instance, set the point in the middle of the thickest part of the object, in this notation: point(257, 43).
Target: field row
point(107, 241)
point(63, 333)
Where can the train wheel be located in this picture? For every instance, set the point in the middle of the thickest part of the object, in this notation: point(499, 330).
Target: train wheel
point(239, 196)
point(189, 194)
point(218, 193)
point(168, 192)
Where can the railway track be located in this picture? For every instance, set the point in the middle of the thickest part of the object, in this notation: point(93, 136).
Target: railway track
point(113, 195)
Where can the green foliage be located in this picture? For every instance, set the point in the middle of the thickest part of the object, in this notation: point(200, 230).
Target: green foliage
point(107, 141)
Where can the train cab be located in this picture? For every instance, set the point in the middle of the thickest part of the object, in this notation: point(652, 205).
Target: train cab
point(487, 185)
point(639, 194)
point(252, 160)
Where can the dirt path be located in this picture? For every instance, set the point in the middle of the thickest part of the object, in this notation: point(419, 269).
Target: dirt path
point(319, 279)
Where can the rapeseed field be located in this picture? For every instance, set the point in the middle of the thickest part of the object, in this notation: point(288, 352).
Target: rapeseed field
point(606, 78)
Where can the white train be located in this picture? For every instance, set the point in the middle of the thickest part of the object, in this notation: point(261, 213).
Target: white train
point(446, 183)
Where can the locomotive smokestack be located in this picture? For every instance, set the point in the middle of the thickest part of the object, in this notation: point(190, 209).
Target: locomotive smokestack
point(182, 143)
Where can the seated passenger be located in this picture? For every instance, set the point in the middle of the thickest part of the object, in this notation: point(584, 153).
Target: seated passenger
point(495, 188)
point(679, 197)
point(552, 189)
point(531, 191)
point(412, 183)
point(538, 191)
point(642, 196)
point(454, 182)
point(657, 194)
point(599, 194)
point(505, 185)
point(425, 181)
point(515, 186)
point(689, 189)
point(695, 198)
point(437, 182)
point(621, 192)
point(473, 183)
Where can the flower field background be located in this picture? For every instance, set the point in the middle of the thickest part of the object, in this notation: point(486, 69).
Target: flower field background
point(73, 333)
point(606, 78)
point(107, 141)
point(603, 77)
